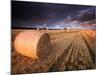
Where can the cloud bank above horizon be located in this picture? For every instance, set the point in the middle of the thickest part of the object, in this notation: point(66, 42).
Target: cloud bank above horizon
point(53, 16)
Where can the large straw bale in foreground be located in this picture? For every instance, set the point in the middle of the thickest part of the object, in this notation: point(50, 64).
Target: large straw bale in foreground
point(33, 44)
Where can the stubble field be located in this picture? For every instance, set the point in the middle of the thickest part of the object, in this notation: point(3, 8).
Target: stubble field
point(70, 50)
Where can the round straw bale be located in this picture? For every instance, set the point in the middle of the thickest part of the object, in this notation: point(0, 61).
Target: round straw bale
point(32, 44)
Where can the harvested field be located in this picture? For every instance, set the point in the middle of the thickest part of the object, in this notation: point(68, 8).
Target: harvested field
point(69, 50)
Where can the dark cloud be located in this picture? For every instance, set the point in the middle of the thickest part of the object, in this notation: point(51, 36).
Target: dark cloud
point(32, 14)
point(87, 17)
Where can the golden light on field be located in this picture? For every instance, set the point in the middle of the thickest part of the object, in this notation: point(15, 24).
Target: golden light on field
point(66, 49)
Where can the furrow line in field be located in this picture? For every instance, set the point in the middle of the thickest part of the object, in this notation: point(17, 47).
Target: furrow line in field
point(59, 64)
point(91, 50)
point(79, 57)
point(58, 48)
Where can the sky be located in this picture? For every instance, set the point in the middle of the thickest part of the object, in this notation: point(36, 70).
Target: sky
point(53, 16)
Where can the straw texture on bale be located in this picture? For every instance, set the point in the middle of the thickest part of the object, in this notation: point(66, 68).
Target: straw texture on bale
point(33, 44)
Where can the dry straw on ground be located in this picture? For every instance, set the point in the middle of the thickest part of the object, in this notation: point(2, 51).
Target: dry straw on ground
point(33, 44)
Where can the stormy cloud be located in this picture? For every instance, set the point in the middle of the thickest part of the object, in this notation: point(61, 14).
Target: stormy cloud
point(51, 15)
